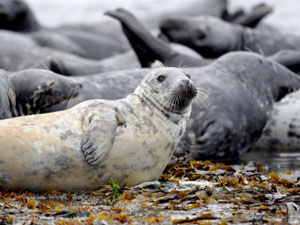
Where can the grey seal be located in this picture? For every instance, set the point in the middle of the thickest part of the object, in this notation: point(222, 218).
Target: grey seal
point(20, 53)
point(33, 92)
point(282, 130)
point(36, 92)
point(242, 88)
point(212, 37)
point(94, 41)
point(129, 140)
point(149, 48)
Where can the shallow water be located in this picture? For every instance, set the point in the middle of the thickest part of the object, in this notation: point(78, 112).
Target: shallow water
point(279, 162)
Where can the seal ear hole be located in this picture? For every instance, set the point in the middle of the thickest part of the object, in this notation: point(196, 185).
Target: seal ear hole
point(161, 78)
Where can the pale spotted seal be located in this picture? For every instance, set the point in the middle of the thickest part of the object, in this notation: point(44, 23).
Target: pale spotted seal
point(129, 140)
point(282, 132)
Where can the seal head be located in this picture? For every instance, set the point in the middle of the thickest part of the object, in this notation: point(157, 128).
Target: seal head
point(16, 15)
point(36, 91)
point(209, 36)
point(172, 93)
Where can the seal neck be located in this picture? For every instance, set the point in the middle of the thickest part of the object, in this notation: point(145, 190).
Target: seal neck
point(240, 39)
point(248, 41)
point(175, 117)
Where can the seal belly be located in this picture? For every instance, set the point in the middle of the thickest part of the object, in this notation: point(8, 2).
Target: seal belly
point(37, 152)
point(142, 148)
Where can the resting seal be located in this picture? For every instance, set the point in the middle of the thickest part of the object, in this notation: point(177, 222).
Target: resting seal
point(282, 131)
point(242, 88)
point(93, 41)
point(212, 37)
point(149, 48)
point(33, 92)
point(130, 140)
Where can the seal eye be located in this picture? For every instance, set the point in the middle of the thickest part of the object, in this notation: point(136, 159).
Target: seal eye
point(188, 76)
point(161, 78)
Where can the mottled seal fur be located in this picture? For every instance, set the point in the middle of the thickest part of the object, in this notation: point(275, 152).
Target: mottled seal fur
point(242, 88)
point(282, 132)
point(129, 140)
point(212, 37)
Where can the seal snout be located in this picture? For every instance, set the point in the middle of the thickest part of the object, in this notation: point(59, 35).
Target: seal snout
point(183, 95)
point(188, 89)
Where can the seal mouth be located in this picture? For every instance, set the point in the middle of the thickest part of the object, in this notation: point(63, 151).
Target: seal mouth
point(181, 97)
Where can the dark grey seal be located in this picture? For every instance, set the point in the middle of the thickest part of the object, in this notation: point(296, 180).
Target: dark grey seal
point(7, 95)
point(18, 53)
point(33, 92)
point(212, 37)
point(149, 48)
point(92, 40)
point(242, 88)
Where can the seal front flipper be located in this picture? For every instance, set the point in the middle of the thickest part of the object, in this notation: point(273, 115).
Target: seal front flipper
point(100, 135)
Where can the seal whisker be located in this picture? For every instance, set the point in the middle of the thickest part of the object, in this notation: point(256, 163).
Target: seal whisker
point(201, 101)
point(70, 102)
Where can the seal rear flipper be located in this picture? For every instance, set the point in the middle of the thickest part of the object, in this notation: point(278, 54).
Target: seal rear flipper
point(253, 18)
point(100, 135)
point(147, 47)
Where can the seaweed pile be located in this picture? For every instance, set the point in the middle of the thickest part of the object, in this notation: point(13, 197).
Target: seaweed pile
point(196, 192)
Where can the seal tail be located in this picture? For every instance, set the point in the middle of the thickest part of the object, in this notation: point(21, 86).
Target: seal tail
point(251, 19)
point(147, 47)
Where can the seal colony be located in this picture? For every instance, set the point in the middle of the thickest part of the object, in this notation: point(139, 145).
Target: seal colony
point(130, 140)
